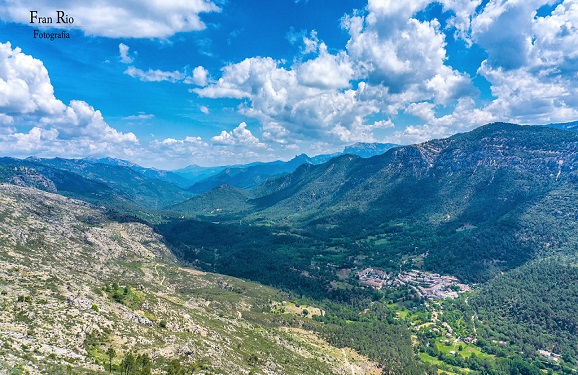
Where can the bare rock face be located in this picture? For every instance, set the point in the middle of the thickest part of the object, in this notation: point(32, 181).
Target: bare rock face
point(31, 178)
point(80, 303)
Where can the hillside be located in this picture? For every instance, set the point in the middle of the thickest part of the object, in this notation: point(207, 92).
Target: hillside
point(252, 175)
point(418, 199)
point(153, 193)
point(74, 283)
point(100, 183)
point(152, 173)
point(223, 199)
point(495, 206)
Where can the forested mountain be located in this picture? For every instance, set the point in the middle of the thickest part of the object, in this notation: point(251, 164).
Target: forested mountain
point(249, 176)
point(461, 200)
point(27, 173)
point(252, 175)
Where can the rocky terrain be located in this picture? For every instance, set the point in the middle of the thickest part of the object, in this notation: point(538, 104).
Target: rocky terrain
point(74, 283)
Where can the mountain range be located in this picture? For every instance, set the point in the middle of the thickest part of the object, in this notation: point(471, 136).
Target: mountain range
point(252, 175)
point(494, 207)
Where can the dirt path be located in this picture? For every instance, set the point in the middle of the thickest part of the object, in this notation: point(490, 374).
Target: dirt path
point(157, 272)
point(347, 361)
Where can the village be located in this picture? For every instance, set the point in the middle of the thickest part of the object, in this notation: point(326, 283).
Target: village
point(425, 284)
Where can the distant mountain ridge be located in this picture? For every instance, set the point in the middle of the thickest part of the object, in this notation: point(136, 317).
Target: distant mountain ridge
point(252, 175)
point(153, 173)
point(573, 126)
point(93, 181)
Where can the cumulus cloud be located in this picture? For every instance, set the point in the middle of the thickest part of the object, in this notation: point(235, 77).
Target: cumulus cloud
point(423, 110)
point(115, 19)
point(390, 61)
point(27, 98)
point(204, 109)
point(536, 82)
point(242, 149)
point(463, 13)
point(238, 136)
point(393, 49)
point(24, 85)
point(5, 119)
point(503, 29)
point(465, 116)
point(199, 77)
point(285, 107)
point(326, 71)
point(532, 67)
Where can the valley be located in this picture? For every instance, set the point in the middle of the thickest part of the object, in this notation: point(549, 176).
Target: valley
point(454, 256)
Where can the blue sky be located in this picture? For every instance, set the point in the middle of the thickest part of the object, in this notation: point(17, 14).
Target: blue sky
point(173, 83)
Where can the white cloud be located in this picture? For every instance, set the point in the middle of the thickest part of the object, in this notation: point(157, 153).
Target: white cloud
point(423, 110)
point(154, 75)
point(287, 109)
point(503, 30)
point(27, 98)
point(115, 19)
point(238, 136)
point(187, 140)
point(25, 87)
point(181, 152)
point(140, 117)
point(523, 96)
point(311, 44)
point(464, 11)
point(391, 48)
point(532, 67)
point(81, 120)
point(124, 56)
point(199, 78)
point(464, 117)
point(326, 71)
point(393, 59)
point(6, 120)
point(204, 109)
point(537, 80)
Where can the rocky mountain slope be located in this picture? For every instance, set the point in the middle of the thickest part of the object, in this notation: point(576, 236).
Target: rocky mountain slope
point(137, 186)
point(74, 283)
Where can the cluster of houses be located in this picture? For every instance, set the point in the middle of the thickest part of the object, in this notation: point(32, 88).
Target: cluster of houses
point(425, 284)
point(432, 285)
point(373, 278)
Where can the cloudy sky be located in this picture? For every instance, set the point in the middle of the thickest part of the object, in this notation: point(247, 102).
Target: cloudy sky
point(168, 83)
